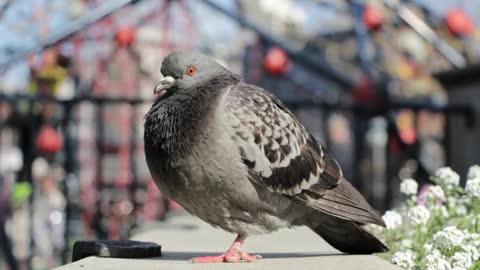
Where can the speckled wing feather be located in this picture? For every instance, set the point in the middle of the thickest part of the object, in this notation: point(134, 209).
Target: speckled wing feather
point(285, 158)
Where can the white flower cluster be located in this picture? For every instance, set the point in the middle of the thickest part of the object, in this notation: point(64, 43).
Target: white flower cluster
point(392, 219)
point(472, 188)
point(404, 259)
point(461, 260)
point(473, 172)
point(428, 247)
point(409, 186)
point(472, 251)
point(423, 226)
point(435, 193)
point(446, 177)
point(458, 268)
point(458, 205)
point(472, 245)
point(436, 261)
point(449, 238)
point(473, 238)
point(419, 215)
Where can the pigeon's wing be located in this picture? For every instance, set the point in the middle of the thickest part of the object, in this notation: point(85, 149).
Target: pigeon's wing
point(283, 157)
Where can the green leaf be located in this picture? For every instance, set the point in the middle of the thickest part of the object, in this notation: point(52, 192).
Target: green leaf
point(21, 192)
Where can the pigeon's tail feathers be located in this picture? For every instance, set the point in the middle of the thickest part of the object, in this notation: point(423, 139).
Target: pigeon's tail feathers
point(348, 236)
point(343, 201)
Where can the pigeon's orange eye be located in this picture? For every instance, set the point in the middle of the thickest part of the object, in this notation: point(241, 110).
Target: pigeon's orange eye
point(191, 70)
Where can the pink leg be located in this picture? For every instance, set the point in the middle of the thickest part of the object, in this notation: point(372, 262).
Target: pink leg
point(233, 254)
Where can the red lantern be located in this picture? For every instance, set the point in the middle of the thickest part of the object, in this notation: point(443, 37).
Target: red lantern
point(276, 61)
point(49, 140)
point(363, 92)
point(125, 36)
point(372, 18)
point(458, 22)
point(408, 135)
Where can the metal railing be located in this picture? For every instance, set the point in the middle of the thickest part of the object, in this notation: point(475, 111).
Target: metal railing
point(108, 224)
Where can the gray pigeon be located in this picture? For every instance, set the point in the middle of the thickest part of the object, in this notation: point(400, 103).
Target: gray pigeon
point(234, 155)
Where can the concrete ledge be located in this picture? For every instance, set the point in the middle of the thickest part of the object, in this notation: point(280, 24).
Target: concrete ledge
point(184, 237)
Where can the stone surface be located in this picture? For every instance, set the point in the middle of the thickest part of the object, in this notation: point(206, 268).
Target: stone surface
point(184, 237)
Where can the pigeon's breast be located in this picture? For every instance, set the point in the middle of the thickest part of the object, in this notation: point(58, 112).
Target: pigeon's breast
point(213, 183)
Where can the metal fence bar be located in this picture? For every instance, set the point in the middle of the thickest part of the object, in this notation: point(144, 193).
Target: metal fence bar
point(69, 170)
point(465, 110)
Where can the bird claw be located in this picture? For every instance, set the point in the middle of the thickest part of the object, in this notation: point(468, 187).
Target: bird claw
point(230, 256)
point(249, 257)
point(208, 259)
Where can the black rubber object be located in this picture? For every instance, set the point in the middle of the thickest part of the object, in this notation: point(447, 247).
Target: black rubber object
point(115, 249)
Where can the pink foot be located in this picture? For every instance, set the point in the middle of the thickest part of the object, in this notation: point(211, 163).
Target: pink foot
point(233, 254)
point(236, 255)
point(208, 259)
point(230, 256)
point(246, 257)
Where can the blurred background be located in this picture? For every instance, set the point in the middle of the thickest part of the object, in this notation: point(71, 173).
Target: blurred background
point(390, 86)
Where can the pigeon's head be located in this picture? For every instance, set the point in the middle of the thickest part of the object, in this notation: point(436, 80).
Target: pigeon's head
point(187, 69)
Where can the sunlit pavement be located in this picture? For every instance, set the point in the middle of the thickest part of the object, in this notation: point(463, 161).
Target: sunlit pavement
point(183, 237)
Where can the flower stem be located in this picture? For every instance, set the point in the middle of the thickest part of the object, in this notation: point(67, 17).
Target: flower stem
point(418, 235)
point(476, 224)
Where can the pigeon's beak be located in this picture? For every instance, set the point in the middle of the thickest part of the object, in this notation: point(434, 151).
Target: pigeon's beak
point(163, 86)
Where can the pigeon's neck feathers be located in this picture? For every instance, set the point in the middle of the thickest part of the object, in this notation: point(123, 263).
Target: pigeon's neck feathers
point(174, 125)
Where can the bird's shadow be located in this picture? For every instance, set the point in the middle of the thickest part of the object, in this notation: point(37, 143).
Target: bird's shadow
point(186, 255)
